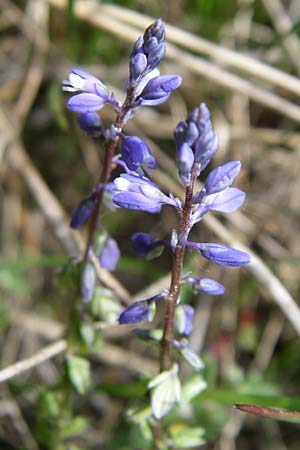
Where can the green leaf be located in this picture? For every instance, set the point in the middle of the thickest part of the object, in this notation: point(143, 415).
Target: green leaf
point(16, 283)
point(193, 387)
point(166, 391)
point(49, 404)
point(155, 253)
point(105, 306)
point(139, 414)
point(79, 373)
point(233, 397)
point(124, 390)
point(74, 427)
point(88, 333)
point(187, 437)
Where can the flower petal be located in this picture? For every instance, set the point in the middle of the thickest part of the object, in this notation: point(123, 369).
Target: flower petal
point(85, 103)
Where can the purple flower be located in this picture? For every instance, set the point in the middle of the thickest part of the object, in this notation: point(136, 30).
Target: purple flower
point(141, 311)
point(91, 123)
point(93, 96)
point(221, 254)
point(219, 179)
point(185, 161)
point(225, 201)
point(135, 192)
point(144, 244)
point(88, 282)
point(206, 285)
point(148, 50)
point(222, 177)
point(197, 132)
point(184, 319)
point(82, 212)
point(158, 89)
point(135, 152)
point(80, 80)
point(85, 103)
point(109, 254)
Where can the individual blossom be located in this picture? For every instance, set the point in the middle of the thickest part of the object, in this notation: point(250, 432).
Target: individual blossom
point(92, 96)
point(219, 179)
point(135, 152)
point(141, 311)
point(82, 212)
point(206, 285)
point(143, 244)
point(221, 254)
point(85, 208)
point(158, 90)
point(135, 192)
point(226, 201)
point(88, 282)
point(109, 254)
point(185, 161)
point(184, 319)
point(216, 194)
point(91, 123)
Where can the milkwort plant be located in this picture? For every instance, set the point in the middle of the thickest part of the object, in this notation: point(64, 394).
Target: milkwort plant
point(196, 143)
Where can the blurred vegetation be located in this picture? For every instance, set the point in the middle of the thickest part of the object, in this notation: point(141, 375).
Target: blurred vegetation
point(251, 352)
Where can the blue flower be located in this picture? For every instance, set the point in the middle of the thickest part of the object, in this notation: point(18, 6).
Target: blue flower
point(94, 94)
point(91, 123)
point(158, 89)
point(141, 311)
point(148, 50)
point(82, 212)
point(143, 244)
point(219, 179)
point(198, 133)
point(225, 201)
point(88, 282)
point(185, 161)
point(206, 285)
point(221, 254)
point(136, 152)
point(135, 192)
point(184, 319)
point(109, 254)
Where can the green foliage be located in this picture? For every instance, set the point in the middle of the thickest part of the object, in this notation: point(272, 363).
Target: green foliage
point(165, 392)
point(105, 305)
point(185, 437)
point(79, 373)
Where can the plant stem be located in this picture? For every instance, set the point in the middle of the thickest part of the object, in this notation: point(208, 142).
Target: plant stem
point(110, 147)
point(103, 179)
point(175, 286)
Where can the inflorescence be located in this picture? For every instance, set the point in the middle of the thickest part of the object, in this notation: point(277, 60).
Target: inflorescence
point(196, 143)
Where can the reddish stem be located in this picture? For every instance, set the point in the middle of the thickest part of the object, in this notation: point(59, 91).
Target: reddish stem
point(110, 147)
point(175, 286)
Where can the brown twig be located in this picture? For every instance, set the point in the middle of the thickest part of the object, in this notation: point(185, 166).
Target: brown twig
point(51, 208)
point(45, 354)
